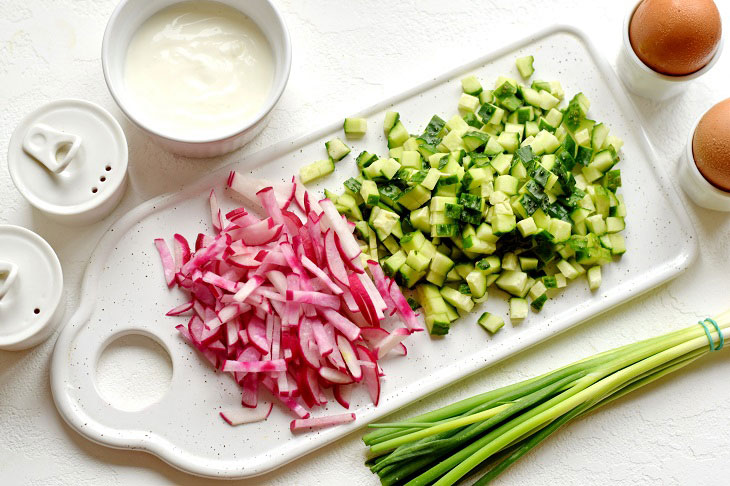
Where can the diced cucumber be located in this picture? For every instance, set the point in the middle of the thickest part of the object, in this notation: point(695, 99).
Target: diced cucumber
point(442, 264)
point(391, 118)
point(518, 308)
point(336, 149)
point(394, 262)
point(512, 281)
point(515, 183)
point(397, 135)
point(491, 322)
point(524, 66)
point(369, 193)
point(471, 85)
point(594, 277)
point(468, 103)
point(528, 263)
point(355, 127)
point(316, 170)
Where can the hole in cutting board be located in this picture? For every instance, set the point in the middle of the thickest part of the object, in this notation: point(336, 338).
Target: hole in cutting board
point(133, 372)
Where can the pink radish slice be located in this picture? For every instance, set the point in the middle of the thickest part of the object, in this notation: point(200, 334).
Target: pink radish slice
point(168, 263)
point(181, 250)
point(268, 202)
point(321, 422)
point(318, 272)
point(293, 405)
point(247, 288)
point(352, 263)
point(220, 282)
point(324, 343)
point(378, 302)
point(184, 332)
point(259, 233)
point(232, 333)
point(394, 339)
point(240, 416)
point(250, 390)
point(342, 324)
point(371, 376)
point(373, 336)
point(349, 301)
point(349, 246)
point(404, 308)
point(257, 334)
point(381, 283)
point(360, 294)
point(334, 260)
point(215, 211)
point(304, 202)
point(306, 347)
point(181, 309)
point(278, 280)
point(255, 366)
point(318, 299)
point(351, 360)
point(334, 376)
point(342, 394)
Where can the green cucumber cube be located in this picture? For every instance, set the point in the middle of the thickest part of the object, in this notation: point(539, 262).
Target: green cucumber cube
point(355, 127)
point(336, 149)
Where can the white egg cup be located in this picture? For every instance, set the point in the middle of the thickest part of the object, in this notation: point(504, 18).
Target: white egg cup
point(129, 15)
point(694, 183)
point(643, 81)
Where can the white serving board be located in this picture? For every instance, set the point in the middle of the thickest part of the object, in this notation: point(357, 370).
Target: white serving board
point(124, 292)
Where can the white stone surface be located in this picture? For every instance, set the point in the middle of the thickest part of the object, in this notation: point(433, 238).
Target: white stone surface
point(348, 55)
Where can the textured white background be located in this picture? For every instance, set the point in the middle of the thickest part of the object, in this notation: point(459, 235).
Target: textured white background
point(348, 55)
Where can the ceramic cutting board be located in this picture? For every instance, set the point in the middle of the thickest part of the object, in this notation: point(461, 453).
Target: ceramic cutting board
point(124, 291)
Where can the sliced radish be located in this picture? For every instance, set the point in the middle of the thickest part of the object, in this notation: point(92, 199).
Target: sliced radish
point(371, 376)
point(240, 416)
point(333, 376)
point(351, 360)
point(342, 394)
point(321, 422)
point(168, 263)
point(181, 309)
point(280, 300)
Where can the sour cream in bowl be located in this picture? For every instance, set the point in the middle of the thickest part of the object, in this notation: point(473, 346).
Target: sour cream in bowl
point(199, 76)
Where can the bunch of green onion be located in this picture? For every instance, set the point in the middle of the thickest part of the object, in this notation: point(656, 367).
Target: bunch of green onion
point(487, 433)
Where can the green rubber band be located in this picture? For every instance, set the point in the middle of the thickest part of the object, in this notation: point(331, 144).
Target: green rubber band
point(713, 346)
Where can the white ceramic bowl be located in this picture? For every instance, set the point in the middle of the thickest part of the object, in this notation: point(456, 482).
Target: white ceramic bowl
point(124, 22)
point(641, 80)
point(694, 183)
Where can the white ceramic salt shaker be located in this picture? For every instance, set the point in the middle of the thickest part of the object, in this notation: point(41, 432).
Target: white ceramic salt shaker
point(31, 287)
point(69, 159)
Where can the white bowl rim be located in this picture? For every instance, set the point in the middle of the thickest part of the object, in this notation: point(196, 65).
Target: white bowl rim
point(666, 77)
point(278, 86)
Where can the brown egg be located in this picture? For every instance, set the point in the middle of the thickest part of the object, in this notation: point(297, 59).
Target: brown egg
point(711, 145)
point(675, 37)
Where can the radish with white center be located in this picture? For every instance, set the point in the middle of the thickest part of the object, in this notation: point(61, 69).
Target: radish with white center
point(168, 263)
point(246, 416)
point(181, 309)
point(320, 422)
point(333, 376)
point(348, 354)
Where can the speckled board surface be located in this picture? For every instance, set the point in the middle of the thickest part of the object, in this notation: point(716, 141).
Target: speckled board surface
point(124, 291)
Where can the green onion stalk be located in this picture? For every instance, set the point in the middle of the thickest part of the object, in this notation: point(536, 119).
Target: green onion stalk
point(487, 433)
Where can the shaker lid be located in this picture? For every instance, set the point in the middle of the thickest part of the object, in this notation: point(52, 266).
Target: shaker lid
point(31, 286)
point(68, 157)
